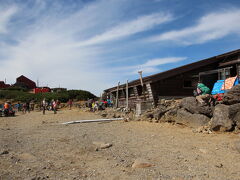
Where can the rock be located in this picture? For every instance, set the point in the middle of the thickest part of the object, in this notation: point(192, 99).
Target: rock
point(204, 151)
point(4, 152)
point(237, 146)
point(161, 102)
point(27, 157)
point(159, 112)
point(219, 165)
point(141, 163)
point(236, 119)
point(203, 129)
point(232, 96)
point(117, 115)
point(191, 120)
point(104, 114)
point(223, 117)
point(195, 107)
point(169, 116)
point(148, 115)
point(102, 145)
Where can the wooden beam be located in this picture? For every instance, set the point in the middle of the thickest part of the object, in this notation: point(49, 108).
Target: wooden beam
point(237, 61)
point(94, 120)
point(117, 95)
point(127, 95)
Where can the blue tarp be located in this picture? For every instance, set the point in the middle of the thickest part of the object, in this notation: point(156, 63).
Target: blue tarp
point(217, 87)
point(236, 82)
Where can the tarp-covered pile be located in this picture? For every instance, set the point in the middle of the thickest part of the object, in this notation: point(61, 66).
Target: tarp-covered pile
point(221, 86)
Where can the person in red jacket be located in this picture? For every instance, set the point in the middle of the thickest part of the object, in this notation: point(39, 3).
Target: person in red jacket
point(70, 104)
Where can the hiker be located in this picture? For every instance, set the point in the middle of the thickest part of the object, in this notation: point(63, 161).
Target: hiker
point(203, 94)
point(44, 105)
point(202, 89)
point(109, 103)
point(27, 107)
point(18, 107)
point(58, 103)
point(70, 104)
point(92, 106)
point(54, 106)
point(95, 106)
point(32, 105)
point(24, 109)
point(11, 112)
point(89, 104)
point(6, 108)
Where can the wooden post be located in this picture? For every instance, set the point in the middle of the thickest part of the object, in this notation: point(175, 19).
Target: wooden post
point(224, 72)
point(141, 80)
point(140, 74)
point(127, 95)
point(237, 70)
point(117, 94)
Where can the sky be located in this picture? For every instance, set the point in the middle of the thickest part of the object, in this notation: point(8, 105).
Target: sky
point(93, 44)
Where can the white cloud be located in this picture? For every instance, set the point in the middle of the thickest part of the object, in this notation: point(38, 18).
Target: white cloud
point(210, 27)
point(40, 38)
point(161, 61)
point(142, 23)
point(5, 16)
point(150, 66)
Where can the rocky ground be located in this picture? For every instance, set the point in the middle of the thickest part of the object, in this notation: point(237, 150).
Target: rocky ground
point(36, 146)
point(203, 113)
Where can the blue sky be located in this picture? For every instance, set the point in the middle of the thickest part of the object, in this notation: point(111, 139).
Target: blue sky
point(93, 44)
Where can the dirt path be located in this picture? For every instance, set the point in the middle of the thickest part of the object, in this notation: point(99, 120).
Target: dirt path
point(41, 148)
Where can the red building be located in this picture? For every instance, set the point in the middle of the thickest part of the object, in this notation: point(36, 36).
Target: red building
point(41, 90)
point(3, 85)
point(22, 80)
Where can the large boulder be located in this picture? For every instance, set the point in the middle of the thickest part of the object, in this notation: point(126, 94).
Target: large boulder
point(170, 115)
point(147, 116)
point(224, 117)
point(232, 96)
point(191, 120)
point(166, 110)
point(159, 112)
point(192, 105)
point(237, 119)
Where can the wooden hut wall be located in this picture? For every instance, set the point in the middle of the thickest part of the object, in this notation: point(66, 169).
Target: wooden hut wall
point(180, 85)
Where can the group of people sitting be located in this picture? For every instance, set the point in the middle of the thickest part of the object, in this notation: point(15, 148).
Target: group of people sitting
point(7, 110)
point(96, 105)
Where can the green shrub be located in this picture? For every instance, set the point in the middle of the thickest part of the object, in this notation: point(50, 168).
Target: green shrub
point(20, 95)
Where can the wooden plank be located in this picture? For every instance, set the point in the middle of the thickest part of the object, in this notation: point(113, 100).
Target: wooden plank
point(117, 95)
point(94, 120)
point(127, 95)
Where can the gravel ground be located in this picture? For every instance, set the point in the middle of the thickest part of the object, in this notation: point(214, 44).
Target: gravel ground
point(36, 146)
